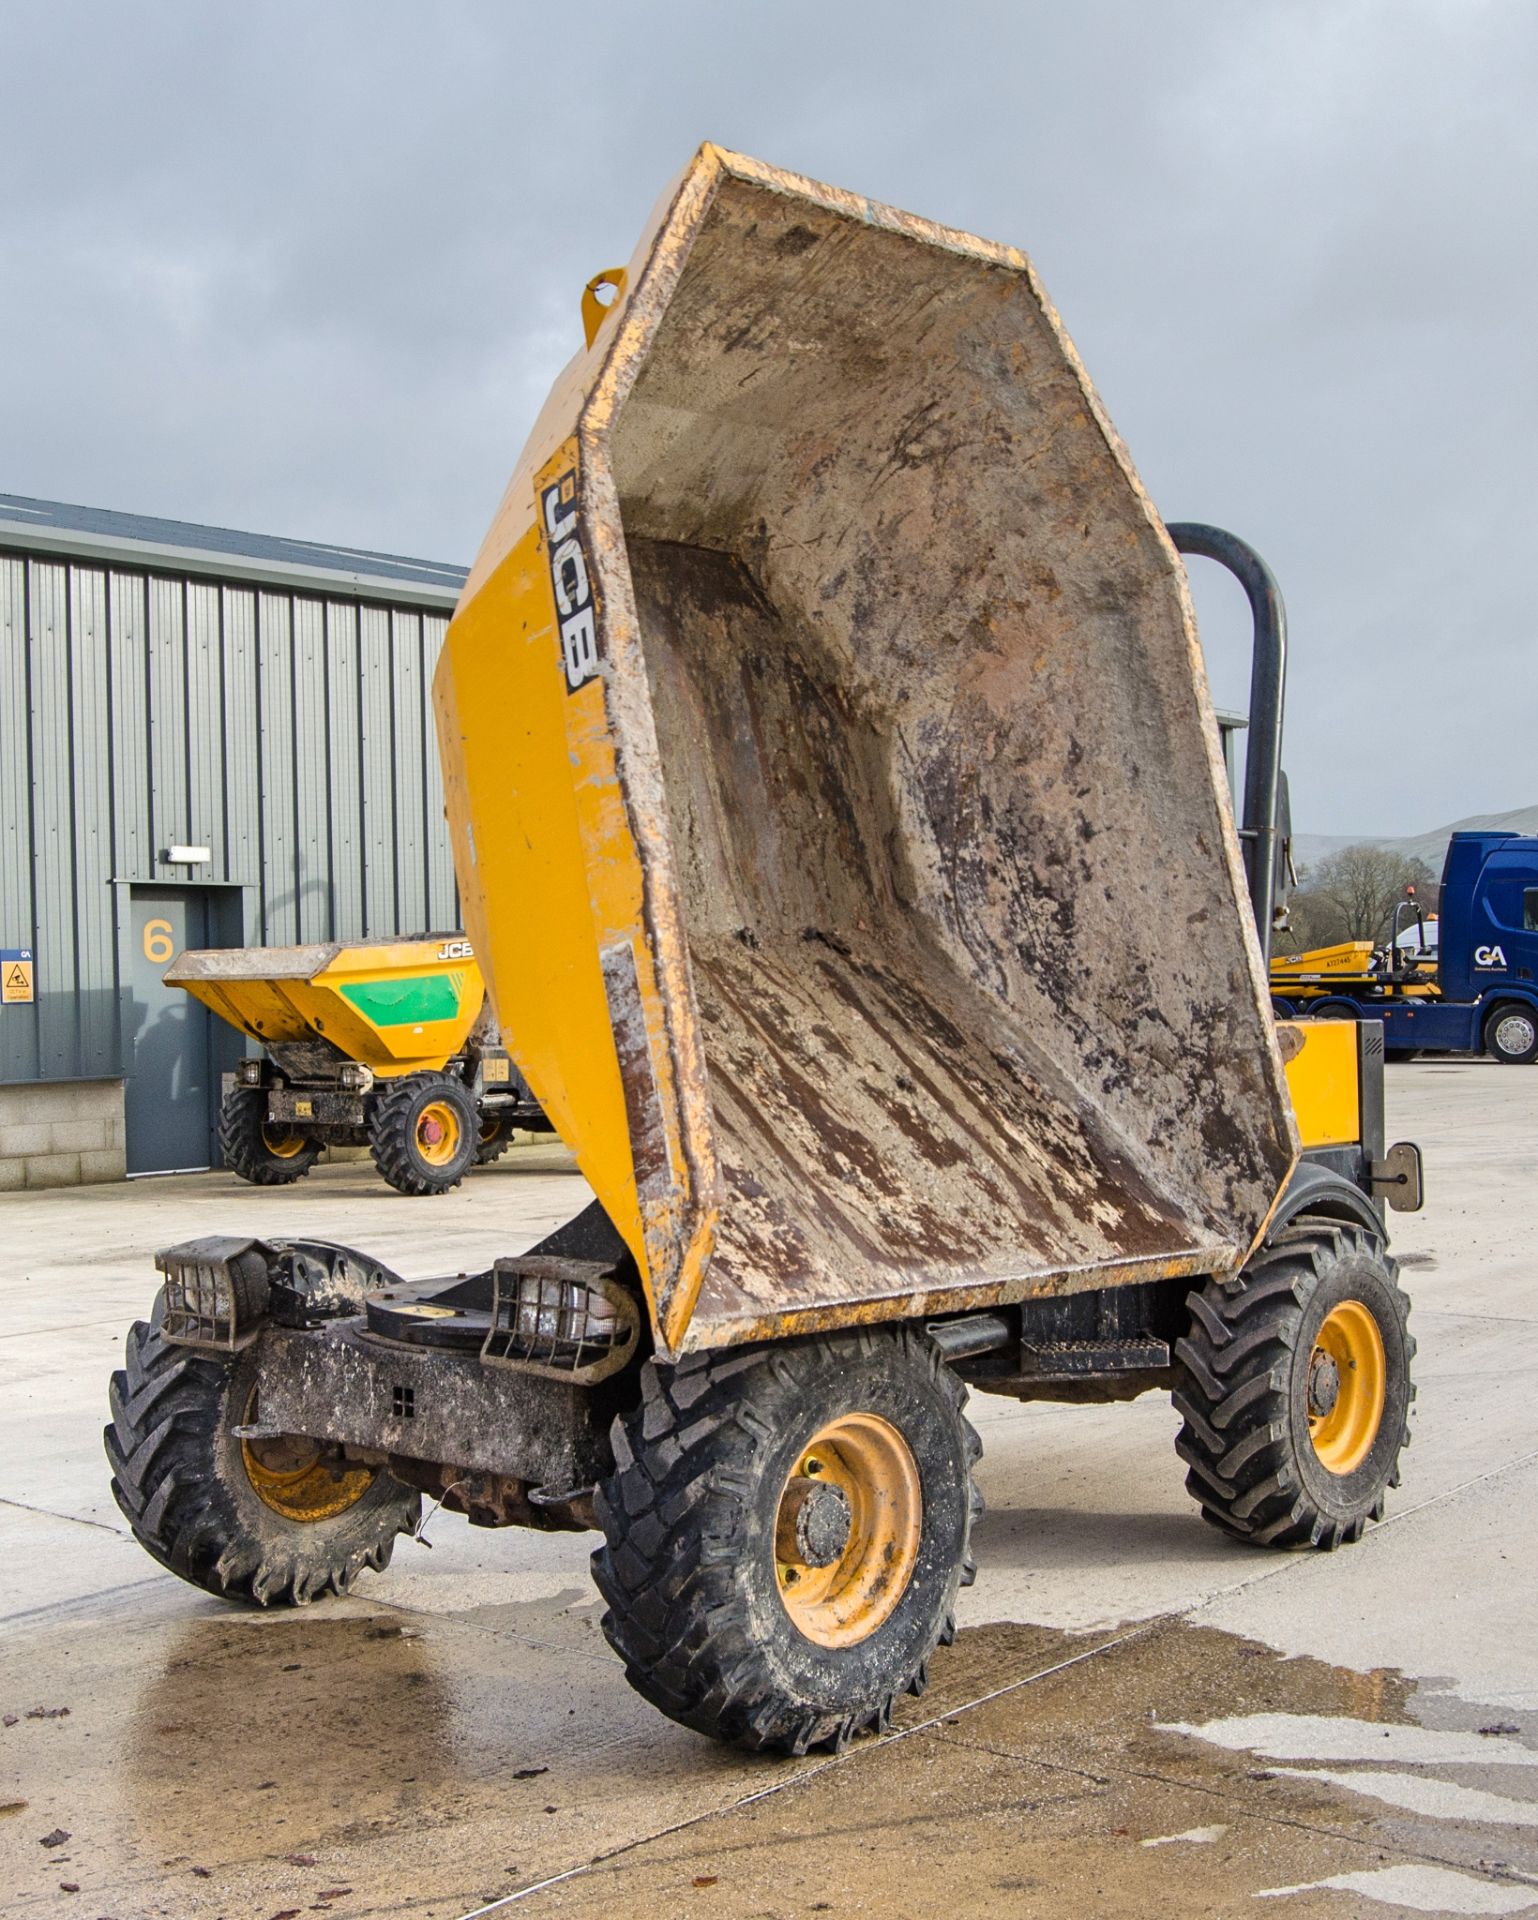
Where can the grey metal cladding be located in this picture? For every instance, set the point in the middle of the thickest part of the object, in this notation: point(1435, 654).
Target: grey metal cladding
point(441, 884)
point(91, 729)
point(53, 808)
point(344, 749)
point(95, 533)
point(377, 756)
point(147, 705)
point(18, 872)
point(312, 795)
point(411, 741)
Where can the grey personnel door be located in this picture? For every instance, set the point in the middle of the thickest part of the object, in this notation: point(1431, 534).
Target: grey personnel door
point(173, 1053)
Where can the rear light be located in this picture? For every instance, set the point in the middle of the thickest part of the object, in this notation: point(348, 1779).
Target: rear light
point(355, 1079)
point(563, 1318)
point(249, 1073)
point(216, 1291)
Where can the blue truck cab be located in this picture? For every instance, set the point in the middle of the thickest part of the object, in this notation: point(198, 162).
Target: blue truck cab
point(1486, 977)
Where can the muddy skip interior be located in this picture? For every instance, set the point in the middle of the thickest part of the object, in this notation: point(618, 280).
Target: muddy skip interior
point(938, 848)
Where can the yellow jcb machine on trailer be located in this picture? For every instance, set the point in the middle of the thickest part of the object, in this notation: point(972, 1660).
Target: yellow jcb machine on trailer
point(384, 1044)
point(895, 987)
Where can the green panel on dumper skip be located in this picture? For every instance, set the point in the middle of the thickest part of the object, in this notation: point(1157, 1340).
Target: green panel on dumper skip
point(402, 1003)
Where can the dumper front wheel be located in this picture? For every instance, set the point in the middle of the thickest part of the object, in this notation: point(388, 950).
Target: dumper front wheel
point(424, 1132)
point(785, 1533)
point(266, 1154)
point(1294, 1386)
point(246, 1515)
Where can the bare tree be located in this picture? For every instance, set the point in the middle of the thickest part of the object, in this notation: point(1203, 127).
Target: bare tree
point(1351, 895)
point(1312, 921)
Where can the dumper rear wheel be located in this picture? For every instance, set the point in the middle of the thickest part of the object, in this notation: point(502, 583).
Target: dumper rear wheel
point(423, 1132)
point(265, 1153)
point(785, 1533)
point(261, 1519)
point(493, 1140)
point(1294, 1386)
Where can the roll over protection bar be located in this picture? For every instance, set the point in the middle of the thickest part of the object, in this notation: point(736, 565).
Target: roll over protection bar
point(1268, 684)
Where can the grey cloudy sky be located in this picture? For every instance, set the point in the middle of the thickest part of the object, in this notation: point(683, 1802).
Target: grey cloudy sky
point(309, 269)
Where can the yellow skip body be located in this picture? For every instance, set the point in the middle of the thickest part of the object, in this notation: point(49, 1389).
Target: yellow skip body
point(397, 1006)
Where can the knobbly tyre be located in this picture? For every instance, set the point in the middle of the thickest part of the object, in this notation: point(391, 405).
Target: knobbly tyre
point(895, 986)
point(384, 1044)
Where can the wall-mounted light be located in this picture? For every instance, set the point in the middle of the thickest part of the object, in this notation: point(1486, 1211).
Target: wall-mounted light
point(187, 856)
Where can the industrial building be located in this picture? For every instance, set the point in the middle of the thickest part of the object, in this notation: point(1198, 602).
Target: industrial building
point(207, 738)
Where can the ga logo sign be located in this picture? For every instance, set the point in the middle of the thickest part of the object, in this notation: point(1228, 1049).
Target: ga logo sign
point(1490, 957)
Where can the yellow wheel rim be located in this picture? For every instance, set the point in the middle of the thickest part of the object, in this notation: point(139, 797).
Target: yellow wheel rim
point(287, 1474)
point(437, 1133)
point(847, 1531)
point(283, 1146)
point(1347, 1387)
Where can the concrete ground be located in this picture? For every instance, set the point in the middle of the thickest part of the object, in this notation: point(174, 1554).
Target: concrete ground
point(1139, 1717)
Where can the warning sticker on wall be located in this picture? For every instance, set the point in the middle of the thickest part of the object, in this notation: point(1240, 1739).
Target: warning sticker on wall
point(16, 976)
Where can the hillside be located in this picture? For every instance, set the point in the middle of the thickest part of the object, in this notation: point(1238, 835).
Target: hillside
point(1310, 848)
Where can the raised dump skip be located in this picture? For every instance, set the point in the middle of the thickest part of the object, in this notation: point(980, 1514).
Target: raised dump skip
point(863, 760)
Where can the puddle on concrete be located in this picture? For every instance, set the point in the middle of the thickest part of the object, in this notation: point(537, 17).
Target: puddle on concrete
point(1418, 1890)
point(1321, 1737)
point(1195, 1836)
point(231, 1764)
point(298, 1723)
point(235, 1763)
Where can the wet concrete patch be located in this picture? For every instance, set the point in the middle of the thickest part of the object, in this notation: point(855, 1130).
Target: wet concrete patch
point(229, 1762)
point(1088, 1790)
point(235, 1763)
point(217, 1762)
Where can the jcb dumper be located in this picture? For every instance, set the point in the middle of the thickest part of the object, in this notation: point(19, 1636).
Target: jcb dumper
point(384, 1044)
point(826, 693)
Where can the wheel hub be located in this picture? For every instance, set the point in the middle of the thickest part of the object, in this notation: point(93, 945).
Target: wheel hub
point(1323, 1384)
point(815, 1522)
point(288, 1474)
point(282, 1453)
point(437, 1133)
point(1515, 1033)
point(1347, 1387)
point(847, 1530)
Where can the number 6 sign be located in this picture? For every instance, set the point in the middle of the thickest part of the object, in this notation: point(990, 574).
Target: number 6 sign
point(158, 944)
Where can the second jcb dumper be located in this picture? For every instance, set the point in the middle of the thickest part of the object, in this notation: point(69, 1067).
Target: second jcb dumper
point(826, 699)
point(384, 1044)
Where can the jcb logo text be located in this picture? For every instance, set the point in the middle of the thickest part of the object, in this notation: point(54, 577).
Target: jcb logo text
point(569, 577)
